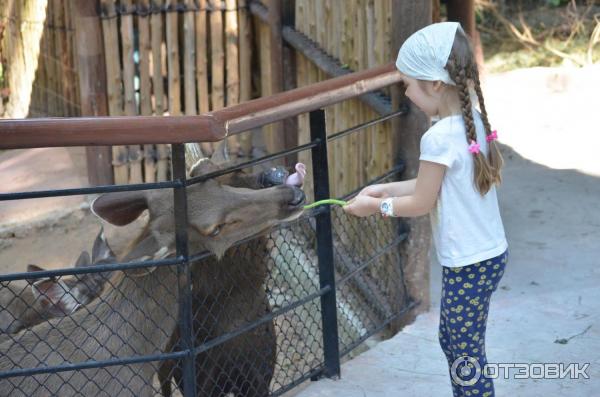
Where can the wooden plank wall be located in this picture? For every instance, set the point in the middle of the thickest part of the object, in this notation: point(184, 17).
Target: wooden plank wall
point(172, 57)
point(55, 90)
point(358, 33)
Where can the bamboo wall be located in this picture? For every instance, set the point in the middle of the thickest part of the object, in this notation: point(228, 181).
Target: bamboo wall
point(39, 68)
point(358, 33)
point(173, 57)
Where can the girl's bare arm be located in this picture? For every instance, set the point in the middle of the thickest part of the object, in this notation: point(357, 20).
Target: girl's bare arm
point(402, 188)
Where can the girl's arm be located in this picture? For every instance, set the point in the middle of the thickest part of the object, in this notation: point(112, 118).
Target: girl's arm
point(420, 202)
point(402, 188)
point(392, 189)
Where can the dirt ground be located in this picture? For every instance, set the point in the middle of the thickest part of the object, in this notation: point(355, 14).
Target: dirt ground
point(49, 232)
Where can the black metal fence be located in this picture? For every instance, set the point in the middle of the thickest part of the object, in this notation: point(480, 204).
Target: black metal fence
point(319, 287)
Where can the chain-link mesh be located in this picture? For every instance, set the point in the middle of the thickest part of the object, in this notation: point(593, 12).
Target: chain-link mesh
point(251, 337)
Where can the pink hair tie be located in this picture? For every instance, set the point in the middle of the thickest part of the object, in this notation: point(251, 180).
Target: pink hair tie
point(474, 147)
point(492, 137)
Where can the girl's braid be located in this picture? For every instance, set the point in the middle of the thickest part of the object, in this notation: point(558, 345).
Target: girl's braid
point(460, 78)
point(484, 176)
point(494, 157)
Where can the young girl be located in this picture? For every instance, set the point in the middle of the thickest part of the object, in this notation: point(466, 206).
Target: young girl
point(459, 167)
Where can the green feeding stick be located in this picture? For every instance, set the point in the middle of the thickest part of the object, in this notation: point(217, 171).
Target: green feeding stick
point(323, 202)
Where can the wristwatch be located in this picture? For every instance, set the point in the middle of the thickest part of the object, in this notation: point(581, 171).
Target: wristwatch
point(386, 207)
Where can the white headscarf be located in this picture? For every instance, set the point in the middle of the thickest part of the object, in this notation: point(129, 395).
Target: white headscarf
point(424, 55)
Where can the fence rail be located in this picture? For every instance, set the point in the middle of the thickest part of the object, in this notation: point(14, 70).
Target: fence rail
point(322, 255)
point(213, 126)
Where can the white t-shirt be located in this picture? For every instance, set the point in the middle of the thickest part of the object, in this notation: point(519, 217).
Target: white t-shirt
point(466, 227)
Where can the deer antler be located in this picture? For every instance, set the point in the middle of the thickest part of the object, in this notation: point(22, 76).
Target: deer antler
point(193, 155)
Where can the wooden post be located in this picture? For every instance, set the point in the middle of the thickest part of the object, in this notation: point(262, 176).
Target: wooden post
point(408, 129)
point(290, 126)
point(92, 80)
point(232, 66)
point(463, 11)
point(275, 138)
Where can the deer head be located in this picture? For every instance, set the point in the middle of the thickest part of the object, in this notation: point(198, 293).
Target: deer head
point(221, 211)
point(44, 298)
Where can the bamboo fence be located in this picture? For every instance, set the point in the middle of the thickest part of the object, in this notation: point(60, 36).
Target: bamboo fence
point(358, 34)
point(173, 57)
point(38, 64)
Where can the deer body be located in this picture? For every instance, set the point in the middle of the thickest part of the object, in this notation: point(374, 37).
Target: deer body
point(137, 312)
point(230, 294)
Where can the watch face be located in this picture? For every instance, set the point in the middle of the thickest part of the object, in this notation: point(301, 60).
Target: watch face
point(385, 206)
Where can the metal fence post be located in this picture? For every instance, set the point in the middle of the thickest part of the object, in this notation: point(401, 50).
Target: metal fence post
point(183, 270)
point(325, 246)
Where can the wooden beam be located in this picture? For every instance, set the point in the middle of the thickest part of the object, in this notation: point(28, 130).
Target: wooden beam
point(321, 59)
point(290, 125)
point(463, 11)
point(92, 81)
point(275, 136)
point(210, 127)
point(410, 16)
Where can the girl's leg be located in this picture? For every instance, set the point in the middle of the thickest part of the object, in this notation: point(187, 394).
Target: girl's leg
point(468, 290)
point(444, 334)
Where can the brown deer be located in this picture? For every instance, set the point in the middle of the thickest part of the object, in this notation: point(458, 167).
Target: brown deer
point(24, 304)
point(137, 313)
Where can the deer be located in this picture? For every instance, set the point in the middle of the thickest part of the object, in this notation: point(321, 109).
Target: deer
point(25, 303)
point(136, 314)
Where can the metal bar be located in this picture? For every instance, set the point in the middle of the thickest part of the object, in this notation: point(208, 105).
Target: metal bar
point(183, 270)
point(89, 269)
point(214, 126)
point(357, 342)
point(396, 170)
point(314, 373)
point(87, 190)
point(384, 251)
point(257, 323)
point(246, 164)
point(359, 127)
point(321, 59)
point(89, 365)
point(318, 133)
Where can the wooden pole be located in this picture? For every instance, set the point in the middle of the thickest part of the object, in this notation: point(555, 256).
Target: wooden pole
point(232, 65)
point(130, 105)
point(407, 130)
point(290, 126)
point(245, 47)
point(463, 11)
point(275, 138)
point(92, 80)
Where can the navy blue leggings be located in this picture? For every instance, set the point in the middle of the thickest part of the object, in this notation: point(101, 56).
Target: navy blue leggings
point(466, 293)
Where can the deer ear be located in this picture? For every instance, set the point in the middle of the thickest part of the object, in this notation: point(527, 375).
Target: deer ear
point(101, 250)
point(83, 260)
point(120, 208)
point(55, 297)
point(221, 153)
point(32, 269)
point(202, 167)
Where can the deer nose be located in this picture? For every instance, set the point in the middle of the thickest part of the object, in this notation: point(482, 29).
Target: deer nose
point(274, 176)
point(298, 197)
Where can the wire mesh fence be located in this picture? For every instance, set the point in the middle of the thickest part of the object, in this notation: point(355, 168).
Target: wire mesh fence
point(274, 310)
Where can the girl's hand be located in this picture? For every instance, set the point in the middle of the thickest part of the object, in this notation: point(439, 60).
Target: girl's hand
point(378, 191)
point(362, 205)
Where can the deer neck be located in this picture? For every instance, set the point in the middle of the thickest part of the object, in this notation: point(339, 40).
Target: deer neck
point(143, 304)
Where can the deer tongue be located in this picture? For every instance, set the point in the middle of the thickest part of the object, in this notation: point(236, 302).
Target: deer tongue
point(297, 178)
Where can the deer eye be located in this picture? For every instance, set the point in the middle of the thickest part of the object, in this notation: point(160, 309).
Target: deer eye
point(215, 231)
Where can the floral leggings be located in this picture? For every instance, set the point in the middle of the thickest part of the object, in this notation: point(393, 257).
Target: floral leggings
point(466, 293)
